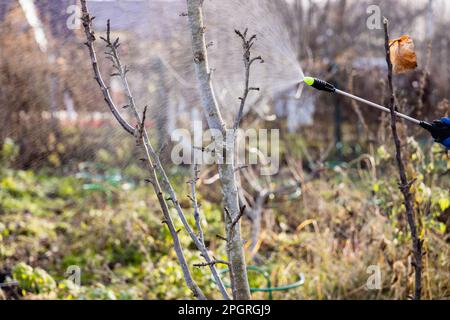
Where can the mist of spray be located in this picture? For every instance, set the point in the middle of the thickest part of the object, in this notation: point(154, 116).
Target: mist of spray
point(170, 86)
point(280, 71)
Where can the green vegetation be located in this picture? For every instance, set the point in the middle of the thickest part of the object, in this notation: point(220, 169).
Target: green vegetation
point(346, 220)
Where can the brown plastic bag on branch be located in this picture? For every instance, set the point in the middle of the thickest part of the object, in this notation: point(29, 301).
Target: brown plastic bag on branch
point(403, 56)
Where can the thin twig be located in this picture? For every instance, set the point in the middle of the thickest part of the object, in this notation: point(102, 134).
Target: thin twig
point(221, 237)
point(247, 44)
point(201, 238)
point(87, 23)
point(211, 263)
point(404, 184)
point(193, 198)
point(141, 127)
point(233, 223)
point(238, 218)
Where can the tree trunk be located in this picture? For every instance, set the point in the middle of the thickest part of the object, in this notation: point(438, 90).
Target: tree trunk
point(238, 268)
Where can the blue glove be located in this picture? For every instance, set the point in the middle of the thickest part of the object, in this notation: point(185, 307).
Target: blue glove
point(440, 130)
point(446, 142)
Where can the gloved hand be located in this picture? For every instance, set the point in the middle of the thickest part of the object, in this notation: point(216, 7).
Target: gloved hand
point(440, 130)
point(446, 142)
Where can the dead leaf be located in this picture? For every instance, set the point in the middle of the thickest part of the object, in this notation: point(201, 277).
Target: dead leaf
point(403, 56)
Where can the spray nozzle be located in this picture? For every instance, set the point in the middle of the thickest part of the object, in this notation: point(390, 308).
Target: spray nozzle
point(319, 84)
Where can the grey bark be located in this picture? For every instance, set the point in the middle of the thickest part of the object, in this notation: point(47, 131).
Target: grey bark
point(238, 268)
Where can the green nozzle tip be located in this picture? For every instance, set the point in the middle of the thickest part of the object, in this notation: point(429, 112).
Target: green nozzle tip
point(309, 80)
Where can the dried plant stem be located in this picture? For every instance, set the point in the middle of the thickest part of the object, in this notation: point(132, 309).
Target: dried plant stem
point(405, 186)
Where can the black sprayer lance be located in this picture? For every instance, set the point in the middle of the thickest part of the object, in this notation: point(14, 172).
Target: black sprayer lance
point(439, 129)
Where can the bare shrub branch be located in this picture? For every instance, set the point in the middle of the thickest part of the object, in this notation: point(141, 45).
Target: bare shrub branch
point(152, 157)
point(405, 186)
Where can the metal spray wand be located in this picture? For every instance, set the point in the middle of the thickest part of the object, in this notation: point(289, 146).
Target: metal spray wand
point(439, 129)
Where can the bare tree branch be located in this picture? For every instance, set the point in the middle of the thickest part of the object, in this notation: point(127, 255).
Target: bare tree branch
point(234, 222)
point(87, 24)
point(256, 201)
point(193, 182)
point(405, 186)
point(201, 238)
point(212, 263)
point(236, 257)
point(247, 44)
point(153, 157)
